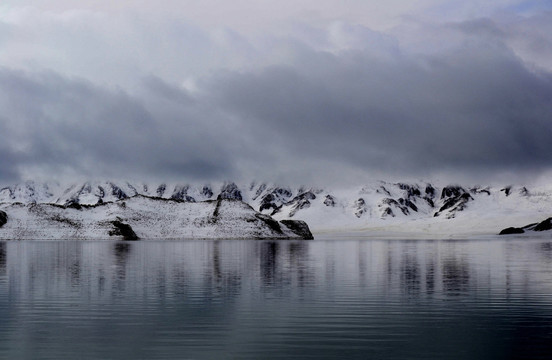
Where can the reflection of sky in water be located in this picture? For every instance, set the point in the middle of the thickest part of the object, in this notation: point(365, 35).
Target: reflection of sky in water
point(262, 299)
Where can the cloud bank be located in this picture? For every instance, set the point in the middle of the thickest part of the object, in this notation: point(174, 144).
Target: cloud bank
point(101, 92)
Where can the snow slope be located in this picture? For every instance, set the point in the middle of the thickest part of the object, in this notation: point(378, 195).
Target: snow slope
point(375, 209)
point(149, 218)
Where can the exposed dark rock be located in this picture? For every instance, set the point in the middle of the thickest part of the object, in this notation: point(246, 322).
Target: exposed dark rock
point(479, 190)
point(384, 190)
point(301, 201)
point(123, 230)
point(452, 191)
point(217, 209)
point(268, 202)
point(181, 193)
point(507, 190)
point(360, 207)
point(118, 192)
point(283, 192)
point(430, 191)
point(329, 201)
point(455, 203)
point(275, 198)
point(73, 204)
point(67, 221)
point(389, 201)
point(511, 230)
point(299, 227)
point(523, 191)
point(3, 218)
point(273, 224)
point(387, 212)
point(410, 190)
point(102, 193)
point(429, 201)
point(410, 204)
point(259, 190)
point(544, 225)
point(230, 191)
point(161, 190)
point(207, 192)
point(530, 226)
point(307, 195)
point(402, 204)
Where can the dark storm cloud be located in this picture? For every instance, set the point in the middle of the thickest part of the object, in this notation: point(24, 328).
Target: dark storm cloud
point(55, 124)
point(327, 104)
point(473, 109)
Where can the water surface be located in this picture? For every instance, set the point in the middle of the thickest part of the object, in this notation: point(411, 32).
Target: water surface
point(355, 299)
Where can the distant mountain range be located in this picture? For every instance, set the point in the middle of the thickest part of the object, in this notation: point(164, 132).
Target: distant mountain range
point(416, 209)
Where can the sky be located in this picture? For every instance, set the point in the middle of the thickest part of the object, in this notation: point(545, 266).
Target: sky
point(302, 91)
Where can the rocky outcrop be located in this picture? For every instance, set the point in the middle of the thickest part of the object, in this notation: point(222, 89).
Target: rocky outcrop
point(181, 193)
point(301, 201)
point(161, 190)
point(360, 207)
point(299, 227)
point(207, 192)
point(452, 191)
point(507, 190)
point(511, 230)
point(402, 204)
point(275, 199)
point(118, 192)
point(479, 190)
point(455, 199)
point(230, 191)
point(3, 218)
point(124, 230)
point(545, 225)
point(329, 201)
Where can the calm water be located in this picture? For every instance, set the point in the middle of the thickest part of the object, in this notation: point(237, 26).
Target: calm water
point(276, 300)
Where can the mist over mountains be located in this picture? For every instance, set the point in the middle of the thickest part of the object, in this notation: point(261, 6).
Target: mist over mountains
point(321, 94)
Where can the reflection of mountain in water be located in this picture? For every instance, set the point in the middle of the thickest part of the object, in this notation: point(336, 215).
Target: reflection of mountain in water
point(456, 276)
point(230, 268)
point(410, 273)
point(2, 258)
point(208, 298)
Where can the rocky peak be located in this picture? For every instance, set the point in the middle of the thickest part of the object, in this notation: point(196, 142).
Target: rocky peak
point(452, 191)
point(230, 191)
point(181, 193)
point(117, 192)
point(329, 201)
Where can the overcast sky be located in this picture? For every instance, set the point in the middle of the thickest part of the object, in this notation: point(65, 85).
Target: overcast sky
point(302, 91)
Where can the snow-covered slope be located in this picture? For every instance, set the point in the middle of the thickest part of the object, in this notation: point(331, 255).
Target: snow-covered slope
point(145, 217)
point(378, 208)
point(401, 209)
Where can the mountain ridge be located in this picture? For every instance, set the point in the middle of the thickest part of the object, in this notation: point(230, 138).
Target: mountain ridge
point(407, 205)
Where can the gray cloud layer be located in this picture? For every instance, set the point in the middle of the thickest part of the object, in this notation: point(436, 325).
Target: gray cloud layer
point(329, 104)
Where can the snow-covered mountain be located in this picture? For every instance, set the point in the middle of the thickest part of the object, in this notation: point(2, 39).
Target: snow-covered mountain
point(145, 217)
point(378, 208)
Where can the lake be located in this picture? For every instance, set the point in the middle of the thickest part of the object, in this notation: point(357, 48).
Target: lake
point(321, 299)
